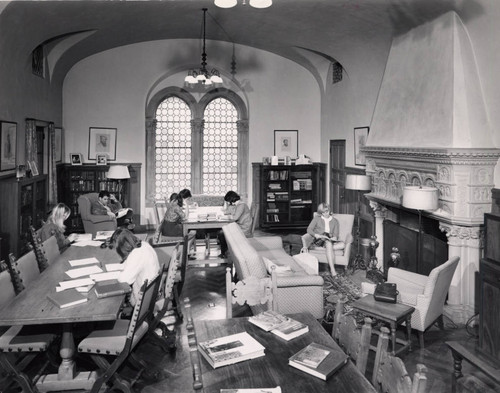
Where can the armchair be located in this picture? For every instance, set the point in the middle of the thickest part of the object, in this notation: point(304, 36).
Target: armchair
point(93, 222)
point(342, 251)
point(426, 293)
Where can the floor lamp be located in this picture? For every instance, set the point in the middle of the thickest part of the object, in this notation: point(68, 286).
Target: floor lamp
point(420, 198)
point(119, 172)
point(358, 183)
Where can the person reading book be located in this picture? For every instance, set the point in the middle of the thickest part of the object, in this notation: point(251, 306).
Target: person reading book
point(140, 261)
point(107, 204)
point(54, 226)
point(324, 231)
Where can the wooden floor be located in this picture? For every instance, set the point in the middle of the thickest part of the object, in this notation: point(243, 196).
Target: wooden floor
point(205, 286)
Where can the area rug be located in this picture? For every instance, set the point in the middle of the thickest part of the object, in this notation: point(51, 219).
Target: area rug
point(336, 287)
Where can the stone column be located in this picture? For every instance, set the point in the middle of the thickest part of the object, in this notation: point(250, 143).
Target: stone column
point(380, 212)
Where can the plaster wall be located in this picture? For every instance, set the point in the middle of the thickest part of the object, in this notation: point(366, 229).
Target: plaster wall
point(111, 89)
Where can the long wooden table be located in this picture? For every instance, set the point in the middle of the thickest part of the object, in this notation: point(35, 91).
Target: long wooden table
point(272, 369)
point(32, 307)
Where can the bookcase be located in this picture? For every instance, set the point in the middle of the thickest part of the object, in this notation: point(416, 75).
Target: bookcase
point(23, 203)
point(76, 180)
point(288, 195)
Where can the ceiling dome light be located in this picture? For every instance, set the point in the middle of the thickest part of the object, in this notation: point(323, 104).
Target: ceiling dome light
point(225, 3)
point(261, 3)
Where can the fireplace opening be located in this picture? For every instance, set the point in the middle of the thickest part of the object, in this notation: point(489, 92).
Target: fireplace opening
point(404, 235)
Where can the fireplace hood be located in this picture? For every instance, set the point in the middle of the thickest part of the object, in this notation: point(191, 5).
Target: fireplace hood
point(430, 125)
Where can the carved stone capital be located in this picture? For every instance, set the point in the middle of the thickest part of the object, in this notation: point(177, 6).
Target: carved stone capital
point(379, 210)
point(457, 234)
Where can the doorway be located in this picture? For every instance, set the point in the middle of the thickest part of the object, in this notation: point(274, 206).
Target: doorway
point(337, 175)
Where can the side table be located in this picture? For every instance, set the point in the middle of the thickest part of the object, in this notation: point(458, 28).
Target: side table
point(392, 313)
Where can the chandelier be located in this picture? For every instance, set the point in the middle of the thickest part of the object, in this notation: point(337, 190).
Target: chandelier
point(202, 75)
point(253, 3)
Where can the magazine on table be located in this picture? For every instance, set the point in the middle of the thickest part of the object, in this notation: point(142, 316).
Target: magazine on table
point(279, 324)
point(103, 235)
point(122, 212)
point(318, 360)
point(230, 349)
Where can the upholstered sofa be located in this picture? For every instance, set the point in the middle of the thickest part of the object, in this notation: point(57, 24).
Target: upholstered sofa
point(297, 291)
point(94, 222)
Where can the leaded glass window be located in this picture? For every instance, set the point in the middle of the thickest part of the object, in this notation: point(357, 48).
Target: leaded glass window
point(220, 147)
point(172, 147)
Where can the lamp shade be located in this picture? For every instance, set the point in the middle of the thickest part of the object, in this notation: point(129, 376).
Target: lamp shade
point(358, 182)
point(261, 3)
point(118, 172)
point(420, 198)
point(225, 3)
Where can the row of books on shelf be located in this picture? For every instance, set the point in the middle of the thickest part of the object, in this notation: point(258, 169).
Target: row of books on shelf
point(300, 201)
point(302, 185)
point(315, 359)
point(272, 218)
point(277, 196)
point(88, 185)
point(277, 175)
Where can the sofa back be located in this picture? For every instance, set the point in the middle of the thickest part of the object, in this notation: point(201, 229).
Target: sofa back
point(247, 261)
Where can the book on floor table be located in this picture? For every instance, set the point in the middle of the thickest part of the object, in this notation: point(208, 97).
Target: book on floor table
point(290, 329)
point(268, 320)
point(67, 298)
point(111, 288)
point(230, 349)
point(318, 360)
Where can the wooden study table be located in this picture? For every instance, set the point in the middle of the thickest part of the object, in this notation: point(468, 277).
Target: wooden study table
point(272, 369)
point(32, 307)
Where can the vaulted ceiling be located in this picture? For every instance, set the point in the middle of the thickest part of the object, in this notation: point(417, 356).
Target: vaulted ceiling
point(290, 28)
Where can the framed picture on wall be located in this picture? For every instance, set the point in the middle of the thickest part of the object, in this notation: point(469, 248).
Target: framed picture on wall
point(58, 143)
point(102, 140)
point(360, 136)
point(76, 159)
point(8, 140)
point(286, 143)
point(101, 159)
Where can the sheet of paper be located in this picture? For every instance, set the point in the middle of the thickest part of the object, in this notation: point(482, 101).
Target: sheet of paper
point(80, 282)
point(93, 243)
point(83, 261)
point(81, 237)
point(105, 276)
point(103, 235)
point(111, 267)
point(84, 271)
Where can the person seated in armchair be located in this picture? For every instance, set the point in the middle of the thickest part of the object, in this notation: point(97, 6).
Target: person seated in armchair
point(108, 204)
point(324, 232)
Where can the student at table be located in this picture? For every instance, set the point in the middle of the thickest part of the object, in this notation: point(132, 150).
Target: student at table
point(54, 226)
point(239, 212)
point(140, 261)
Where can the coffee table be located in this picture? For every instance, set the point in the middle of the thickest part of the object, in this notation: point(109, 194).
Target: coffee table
point(392, 313)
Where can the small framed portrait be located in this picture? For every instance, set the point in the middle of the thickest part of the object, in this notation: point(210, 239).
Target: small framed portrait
point(102, 140)
point(101, 159)
point(75, 158)
point(286, 143)
point(33, 168)
point(8, 135)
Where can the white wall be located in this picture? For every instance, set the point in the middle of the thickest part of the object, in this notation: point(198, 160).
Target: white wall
point(111, 88)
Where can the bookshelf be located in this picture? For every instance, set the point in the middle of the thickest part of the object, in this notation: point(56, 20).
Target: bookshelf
point(76, 180)
point(288, 195)
point(25, 205)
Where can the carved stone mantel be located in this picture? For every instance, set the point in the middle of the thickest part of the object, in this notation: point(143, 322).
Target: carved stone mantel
point(464, 178)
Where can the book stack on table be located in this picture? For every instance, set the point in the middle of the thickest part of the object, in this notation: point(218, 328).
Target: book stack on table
point(318, 360)
point(279, 324)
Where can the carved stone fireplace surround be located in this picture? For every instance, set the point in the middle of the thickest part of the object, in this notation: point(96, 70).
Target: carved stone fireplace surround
point(464, 178)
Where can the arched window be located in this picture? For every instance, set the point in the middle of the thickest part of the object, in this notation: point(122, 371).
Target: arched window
point(201, 145)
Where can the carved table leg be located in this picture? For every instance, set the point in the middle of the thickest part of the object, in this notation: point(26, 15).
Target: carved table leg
point(408, 330)
point(67, 367)
point(393, 337)
point(457, 370)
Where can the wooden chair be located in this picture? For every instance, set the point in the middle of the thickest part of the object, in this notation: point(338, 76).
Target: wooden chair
point(390, 374)
point(162, 318)
point(120, 340)
point(158, 237)
point(194, 355)
point(254, 212)
point(354, 341)
point(251, 291)
point(51, 250)
point(24, 270)
point(36, 244)
point(18, 346)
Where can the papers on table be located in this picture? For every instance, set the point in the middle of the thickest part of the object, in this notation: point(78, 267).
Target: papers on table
point(80, 282)
point(82, 237)
point(105, 276)
point(83, 261)
point(92, 243)
point(84, 271)
point(103, 235)
point(111, 267)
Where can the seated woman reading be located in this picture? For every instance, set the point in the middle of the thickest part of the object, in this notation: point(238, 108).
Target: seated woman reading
point(324, 232)
point(55, 226)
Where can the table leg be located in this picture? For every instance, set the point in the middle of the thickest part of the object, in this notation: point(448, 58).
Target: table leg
point(457, 369)
point(67, 367)
point(393, 338)
point(408, 332)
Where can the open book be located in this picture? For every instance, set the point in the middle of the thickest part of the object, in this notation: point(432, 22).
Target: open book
point(122, 212)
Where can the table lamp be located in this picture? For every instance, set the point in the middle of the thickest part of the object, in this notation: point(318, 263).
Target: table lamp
point(358, 183)
point(420, 198)
point(119, 172)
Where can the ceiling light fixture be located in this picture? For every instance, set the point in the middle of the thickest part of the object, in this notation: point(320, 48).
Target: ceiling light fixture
point(202, 75)
point(253, 3)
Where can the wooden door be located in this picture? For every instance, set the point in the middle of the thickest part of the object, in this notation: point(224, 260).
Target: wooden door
point(337, 175)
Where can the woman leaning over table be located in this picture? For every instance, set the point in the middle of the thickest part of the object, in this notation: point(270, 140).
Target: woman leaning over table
point(322, 227)
point(55, 226)
point(140, 261)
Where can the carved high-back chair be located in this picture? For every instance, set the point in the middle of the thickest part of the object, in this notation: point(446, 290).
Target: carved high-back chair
point(50, 250)
point(23, 270)
point(250, 291)
point(36, 244)
point(194, 355)
point(389, 373)
point(120, 340)
point(354, 340)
